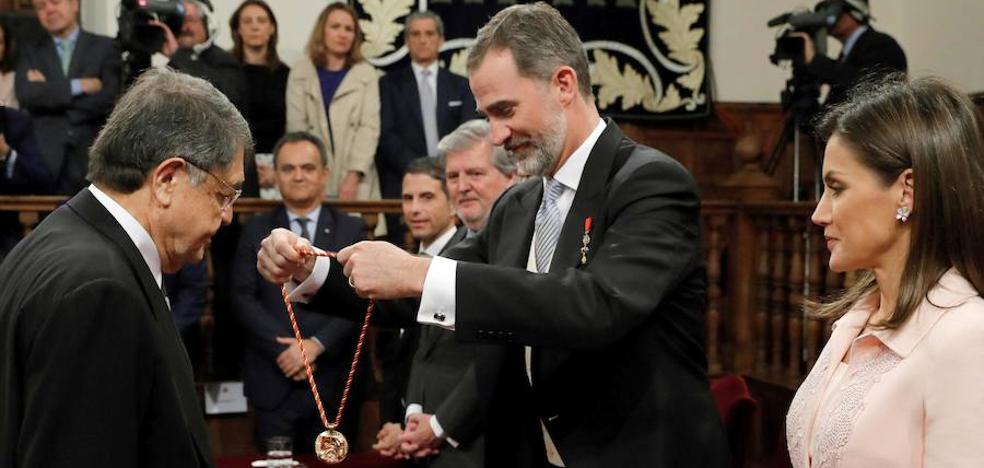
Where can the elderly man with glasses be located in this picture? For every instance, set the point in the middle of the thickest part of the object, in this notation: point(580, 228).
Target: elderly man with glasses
point(92, 369)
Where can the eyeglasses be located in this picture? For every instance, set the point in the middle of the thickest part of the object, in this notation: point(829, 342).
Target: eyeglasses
point(227, 198)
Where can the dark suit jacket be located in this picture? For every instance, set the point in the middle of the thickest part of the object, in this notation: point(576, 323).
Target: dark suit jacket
point(259, 306)
point(401, 136)
point(619, 370)
point(93, 373)
point(67, 125)
point(443, 379)
point(874, 52)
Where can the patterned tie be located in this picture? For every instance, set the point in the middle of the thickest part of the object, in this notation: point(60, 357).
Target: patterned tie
point(303, 223)
point(548, 224)
point(65, 49)
point(428, 110)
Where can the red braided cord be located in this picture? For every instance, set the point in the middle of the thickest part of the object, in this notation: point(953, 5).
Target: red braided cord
point(307, 365)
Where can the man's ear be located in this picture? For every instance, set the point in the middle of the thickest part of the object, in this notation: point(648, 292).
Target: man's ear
point(566, 84)
point(165, 178)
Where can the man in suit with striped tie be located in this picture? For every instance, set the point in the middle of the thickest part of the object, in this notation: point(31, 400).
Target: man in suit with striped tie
point(592, 271)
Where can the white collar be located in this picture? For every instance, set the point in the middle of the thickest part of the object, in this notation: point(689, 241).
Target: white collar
point(435, 248)
point(311, 216)
point(570, 173)
point(133, 228)
point(417, 68)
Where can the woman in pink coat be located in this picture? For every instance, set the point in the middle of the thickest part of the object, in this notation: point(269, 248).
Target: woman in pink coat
point(901, 381)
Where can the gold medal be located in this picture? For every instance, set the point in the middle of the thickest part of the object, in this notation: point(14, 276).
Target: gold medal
point(331, 447)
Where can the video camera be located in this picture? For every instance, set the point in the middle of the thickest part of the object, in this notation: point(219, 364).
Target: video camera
point(136, 35)
point(813, 23)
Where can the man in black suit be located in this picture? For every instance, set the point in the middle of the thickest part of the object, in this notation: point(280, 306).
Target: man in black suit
point(430, 217)
point(419, 104)
point(68, 82)
point(865, 51)
point(93, 372)
point(594, 270)
point(273, 371)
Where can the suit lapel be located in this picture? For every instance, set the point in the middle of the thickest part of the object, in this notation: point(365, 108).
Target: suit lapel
point(48, 59)
point(589, 201)
point(516, 232)
point(78, 52)
point(324, 232)
point(86, 205)
point(93, 212)
point(443, 88)
point(411, 97)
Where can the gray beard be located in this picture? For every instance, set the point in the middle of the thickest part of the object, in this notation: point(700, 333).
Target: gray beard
point(545, 151)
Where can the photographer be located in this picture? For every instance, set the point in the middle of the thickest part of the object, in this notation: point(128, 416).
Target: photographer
point(194, 52)
point(864, 50)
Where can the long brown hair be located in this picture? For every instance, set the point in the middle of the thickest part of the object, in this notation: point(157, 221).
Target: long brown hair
point(316, 42)
point(272, 58)
point(892, 125)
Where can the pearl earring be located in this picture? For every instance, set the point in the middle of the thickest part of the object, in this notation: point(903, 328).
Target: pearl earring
point(902, 214)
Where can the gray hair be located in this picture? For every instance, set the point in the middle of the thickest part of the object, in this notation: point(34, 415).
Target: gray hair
point(471, 133)
point(299, 136)
point(540, 40)
point(167, 114)
point(425, 14)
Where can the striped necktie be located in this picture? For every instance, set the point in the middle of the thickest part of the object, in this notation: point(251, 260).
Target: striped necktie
point(428, 112)
point(548, 224)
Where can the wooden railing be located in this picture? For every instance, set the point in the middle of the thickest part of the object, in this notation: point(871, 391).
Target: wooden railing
point(763, 259)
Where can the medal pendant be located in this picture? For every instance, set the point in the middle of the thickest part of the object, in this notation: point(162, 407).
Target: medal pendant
point(331, 447)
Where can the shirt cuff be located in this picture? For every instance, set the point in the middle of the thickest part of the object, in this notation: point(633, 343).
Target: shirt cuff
point(316, 340)
point(309, 287)
point(412, 408)
point(437, 302)
point(76, 84)
point(439, 431)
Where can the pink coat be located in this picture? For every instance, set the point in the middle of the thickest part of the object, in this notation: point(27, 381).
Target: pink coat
point(911, 397)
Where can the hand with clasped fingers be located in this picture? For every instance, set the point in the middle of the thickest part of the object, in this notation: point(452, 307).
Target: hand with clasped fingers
point(388, 441)
point(291, 362)
point(418, 440)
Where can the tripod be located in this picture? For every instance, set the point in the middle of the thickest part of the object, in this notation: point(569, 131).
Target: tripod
point(799, 104)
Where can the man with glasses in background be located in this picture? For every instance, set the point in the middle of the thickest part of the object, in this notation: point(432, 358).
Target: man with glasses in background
point(93, 372)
